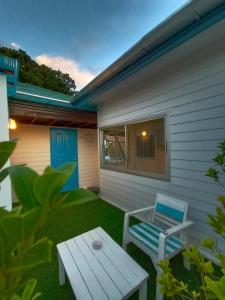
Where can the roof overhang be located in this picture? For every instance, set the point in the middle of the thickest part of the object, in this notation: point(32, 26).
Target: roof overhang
point(191, 20)
point(25, 112)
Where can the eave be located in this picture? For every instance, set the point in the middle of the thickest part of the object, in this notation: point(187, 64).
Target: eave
point(191, 20)
point(47, 115)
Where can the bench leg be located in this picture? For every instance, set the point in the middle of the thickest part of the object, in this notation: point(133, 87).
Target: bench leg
point(124, 245)
point(186, 264)
point(61, 271)
point(143, 291)
point(159, 295)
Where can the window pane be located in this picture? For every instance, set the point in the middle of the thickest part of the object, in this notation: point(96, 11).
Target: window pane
point(146, 147)
point(114, 146)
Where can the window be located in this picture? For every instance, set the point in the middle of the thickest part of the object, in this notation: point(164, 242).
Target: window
point(137, 148)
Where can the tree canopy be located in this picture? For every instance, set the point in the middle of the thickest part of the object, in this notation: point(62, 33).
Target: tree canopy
point(40, 75)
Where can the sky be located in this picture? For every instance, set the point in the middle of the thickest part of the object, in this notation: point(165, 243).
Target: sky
point(79, 37)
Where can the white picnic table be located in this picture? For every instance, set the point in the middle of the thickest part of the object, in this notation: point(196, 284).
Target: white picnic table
point(108, 273)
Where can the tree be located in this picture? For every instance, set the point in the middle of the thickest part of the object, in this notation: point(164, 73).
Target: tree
point(211, 281)
point(40, 75)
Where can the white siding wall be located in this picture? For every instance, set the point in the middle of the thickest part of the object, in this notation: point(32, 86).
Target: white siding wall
point(5, 188)
point(192, 94)
point(88, 157)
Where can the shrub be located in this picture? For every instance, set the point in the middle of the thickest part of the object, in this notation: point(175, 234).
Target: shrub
point(21, 245)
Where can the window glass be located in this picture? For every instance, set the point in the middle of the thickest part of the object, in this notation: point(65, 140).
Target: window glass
point(114, 146)
point(146, 146)
point(145, 150)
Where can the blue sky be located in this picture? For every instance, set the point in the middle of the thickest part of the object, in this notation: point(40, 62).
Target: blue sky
point(81, 37)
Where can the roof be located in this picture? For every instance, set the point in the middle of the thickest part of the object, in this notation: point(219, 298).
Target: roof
point(190, 20)
point(36, 94)
point(33, 93)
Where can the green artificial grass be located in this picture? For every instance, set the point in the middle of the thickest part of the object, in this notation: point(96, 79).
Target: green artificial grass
point(75, 220)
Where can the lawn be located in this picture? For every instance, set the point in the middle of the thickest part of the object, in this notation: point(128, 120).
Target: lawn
point(79, 219)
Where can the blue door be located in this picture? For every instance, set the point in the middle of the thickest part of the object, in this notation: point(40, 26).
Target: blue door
point(64, 149)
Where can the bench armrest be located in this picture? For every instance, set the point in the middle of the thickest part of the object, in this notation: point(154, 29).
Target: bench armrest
point(165, 234)
point(134, 212)
point(177, 228)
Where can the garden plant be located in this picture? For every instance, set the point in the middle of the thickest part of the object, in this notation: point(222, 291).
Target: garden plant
point(22, 246)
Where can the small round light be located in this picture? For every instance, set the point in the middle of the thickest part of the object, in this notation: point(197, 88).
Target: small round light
point(144, 133)
point(12, 124)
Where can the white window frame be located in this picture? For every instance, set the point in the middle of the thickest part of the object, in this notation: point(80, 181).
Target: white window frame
point(165, 176)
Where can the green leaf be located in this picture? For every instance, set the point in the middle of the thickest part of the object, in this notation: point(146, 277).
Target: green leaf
point(209, 243)
point(16, 229)
point(20, 227)
point(4, 173)
point(48, 186)
point(48, 169)
point(6, 149)
point(67, 168)
point(39, 253)
point(216, 287)
point(28, 292)
point(3, 212)
point(78, 196)
point(22, 181)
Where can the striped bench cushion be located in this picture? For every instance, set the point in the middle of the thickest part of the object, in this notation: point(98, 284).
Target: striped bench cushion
point(148, 234)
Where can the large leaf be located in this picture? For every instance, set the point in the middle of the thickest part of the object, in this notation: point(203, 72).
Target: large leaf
point(67, 168)
point(6, 149)
point(39, 253)
point(15, 230)
point(48, 169)
point(79, 196)
point(4, 173)
point(49, 185)
point(22, 181)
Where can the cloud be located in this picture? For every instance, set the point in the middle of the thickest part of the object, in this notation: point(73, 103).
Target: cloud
point(15, 45)
point(81, 76)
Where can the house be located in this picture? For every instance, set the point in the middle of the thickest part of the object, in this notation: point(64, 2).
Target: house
point(161, 114)
point(49, 129)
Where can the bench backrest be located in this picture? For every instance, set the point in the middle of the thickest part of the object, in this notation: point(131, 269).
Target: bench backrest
point(169, 210)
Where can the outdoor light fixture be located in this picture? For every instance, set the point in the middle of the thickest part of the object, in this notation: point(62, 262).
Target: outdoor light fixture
point(144, 133)
point(12, 124)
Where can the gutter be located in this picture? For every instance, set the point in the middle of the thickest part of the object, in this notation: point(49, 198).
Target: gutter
point(176, 29)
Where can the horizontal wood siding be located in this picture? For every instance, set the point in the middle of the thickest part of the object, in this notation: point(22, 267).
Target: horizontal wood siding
point(88, 157)
point(192, 95)
point(33, 149)
point(33, 146)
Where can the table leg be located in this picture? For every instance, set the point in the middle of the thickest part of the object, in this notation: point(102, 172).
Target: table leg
point(61, 271)
point(143, 291)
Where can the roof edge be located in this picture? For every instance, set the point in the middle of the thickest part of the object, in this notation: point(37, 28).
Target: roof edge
point(191, 15)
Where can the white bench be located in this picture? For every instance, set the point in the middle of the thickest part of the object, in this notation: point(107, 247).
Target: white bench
point(162, 237)
point(107, 273)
